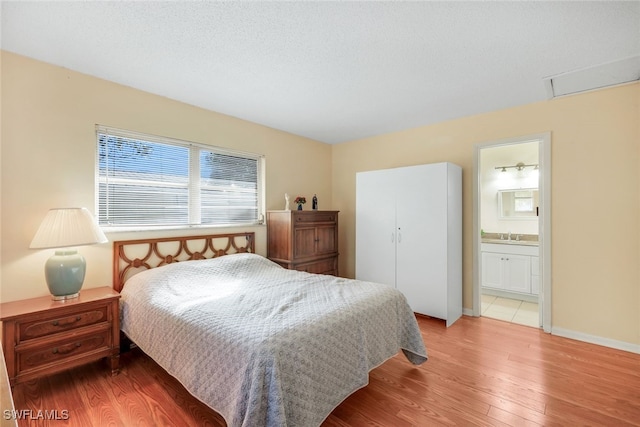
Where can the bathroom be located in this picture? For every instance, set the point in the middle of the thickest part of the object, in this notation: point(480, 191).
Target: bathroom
point(509, 208)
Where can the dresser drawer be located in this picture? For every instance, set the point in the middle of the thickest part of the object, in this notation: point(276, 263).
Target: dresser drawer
point(43, 327)
point(326, 266)
point(32, 357)
point(316, 216)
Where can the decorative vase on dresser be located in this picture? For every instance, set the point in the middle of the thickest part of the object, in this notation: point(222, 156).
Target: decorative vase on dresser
point(304, 240)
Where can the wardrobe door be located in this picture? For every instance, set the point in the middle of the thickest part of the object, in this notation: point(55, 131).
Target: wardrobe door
point(376, 227)
point(422, 240)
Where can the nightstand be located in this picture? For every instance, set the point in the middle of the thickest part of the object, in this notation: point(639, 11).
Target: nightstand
point(41, 336)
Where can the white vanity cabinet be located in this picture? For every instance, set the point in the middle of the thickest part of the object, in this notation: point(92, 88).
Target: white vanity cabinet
point(509, 267)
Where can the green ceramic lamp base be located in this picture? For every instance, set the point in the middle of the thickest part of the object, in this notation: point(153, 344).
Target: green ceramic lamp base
point(64, 273)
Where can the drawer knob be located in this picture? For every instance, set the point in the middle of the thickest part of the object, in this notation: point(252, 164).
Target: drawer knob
point(57, 323)
point(66, 350)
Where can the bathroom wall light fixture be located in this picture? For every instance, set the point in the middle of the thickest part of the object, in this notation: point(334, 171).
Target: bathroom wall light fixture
point(519, 166)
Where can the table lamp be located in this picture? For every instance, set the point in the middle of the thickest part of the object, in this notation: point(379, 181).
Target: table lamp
point(64, 228)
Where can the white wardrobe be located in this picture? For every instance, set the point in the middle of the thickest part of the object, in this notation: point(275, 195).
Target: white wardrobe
point(409, 235)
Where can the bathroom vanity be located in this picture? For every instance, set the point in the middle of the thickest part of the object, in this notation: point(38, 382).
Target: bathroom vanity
point(511, 266)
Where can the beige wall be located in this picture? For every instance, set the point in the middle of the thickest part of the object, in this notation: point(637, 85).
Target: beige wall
point(48, 159)
point(595, 210)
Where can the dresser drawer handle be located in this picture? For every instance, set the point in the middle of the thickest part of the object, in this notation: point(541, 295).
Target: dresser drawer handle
point(57, 323)
point(66, 350)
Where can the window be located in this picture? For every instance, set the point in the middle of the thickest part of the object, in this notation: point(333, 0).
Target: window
point(150, 181)
point(523, 201)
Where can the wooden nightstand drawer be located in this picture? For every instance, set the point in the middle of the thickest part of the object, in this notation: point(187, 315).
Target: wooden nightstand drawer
point(54, 352)
point(56, 324)
point(41, 336)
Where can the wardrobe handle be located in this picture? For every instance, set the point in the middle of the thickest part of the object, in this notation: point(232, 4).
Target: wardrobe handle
point(393, 235)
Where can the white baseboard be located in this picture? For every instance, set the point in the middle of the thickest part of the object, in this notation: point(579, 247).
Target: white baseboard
point(606, 342)
point(579, 336)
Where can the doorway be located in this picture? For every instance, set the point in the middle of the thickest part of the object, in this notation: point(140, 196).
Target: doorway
point(511, 228)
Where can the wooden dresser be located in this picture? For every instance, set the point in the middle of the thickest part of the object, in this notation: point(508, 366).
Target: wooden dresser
point(304, 240)
point(41, 336)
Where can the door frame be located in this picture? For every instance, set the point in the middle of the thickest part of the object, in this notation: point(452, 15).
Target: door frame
point(544, 220)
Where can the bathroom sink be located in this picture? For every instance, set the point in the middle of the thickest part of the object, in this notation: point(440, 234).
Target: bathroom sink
point(512, 242)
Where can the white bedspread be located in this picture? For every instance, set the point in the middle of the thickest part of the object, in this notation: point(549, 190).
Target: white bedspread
point(262, 345)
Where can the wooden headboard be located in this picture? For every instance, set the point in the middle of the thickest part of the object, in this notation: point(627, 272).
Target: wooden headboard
point(132, 256)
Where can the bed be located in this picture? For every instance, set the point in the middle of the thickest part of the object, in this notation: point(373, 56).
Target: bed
point(260, 344)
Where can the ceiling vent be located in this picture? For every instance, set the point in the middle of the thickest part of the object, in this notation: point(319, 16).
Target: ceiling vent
point(597, 77)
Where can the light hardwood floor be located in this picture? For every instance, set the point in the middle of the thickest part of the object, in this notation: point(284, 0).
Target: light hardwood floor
point(480, 371)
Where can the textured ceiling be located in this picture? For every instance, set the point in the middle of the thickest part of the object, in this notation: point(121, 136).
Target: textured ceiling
point(330, 71)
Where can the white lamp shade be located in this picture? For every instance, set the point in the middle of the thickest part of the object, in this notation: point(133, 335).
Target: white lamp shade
point(67, 227)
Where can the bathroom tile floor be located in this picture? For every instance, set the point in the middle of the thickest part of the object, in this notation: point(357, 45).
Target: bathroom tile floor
point(511, 310)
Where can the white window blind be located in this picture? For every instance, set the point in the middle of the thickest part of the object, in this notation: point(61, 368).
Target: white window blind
point(146, 181)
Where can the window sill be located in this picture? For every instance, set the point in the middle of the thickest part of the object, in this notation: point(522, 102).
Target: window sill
point(116, 230)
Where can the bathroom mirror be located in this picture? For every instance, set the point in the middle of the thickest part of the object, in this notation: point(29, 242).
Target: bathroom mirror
point(520, 203)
